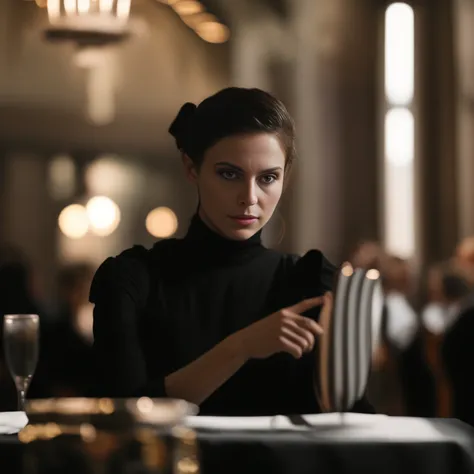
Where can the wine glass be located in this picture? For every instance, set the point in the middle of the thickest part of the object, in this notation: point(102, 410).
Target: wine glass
point(21, 340)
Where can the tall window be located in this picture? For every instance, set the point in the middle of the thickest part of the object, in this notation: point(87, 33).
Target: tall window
point(399, 131)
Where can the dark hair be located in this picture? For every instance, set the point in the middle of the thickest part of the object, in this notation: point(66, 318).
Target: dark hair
point(232, 111)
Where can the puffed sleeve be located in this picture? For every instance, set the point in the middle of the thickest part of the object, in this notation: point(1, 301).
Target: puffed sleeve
point(314, 275)
point(309, 276)
point(119, 292)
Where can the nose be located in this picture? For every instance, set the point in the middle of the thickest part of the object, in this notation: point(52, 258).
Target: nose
point(248, 194)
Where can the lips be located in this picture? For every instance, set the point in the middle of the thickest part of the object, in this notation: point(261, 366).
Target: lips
point(244, 220)
point(244, 217)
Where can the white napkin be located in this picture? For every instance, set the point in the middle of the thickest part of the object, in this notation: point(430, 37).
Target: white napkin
point(229, 423)
point(352, 425)
point(12, 422)
point(363, 426)
point(278, 422)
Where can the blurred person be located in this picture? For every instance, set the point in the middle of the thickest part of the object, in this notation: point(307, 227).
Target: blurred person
point(216, 318)
point(457, 350)
point(68, 339)
point(402, 322)
point(74, 285)
point(464, 258)
point(446, 288)
point(408, 382)
point(368, 254)
point(449, 287)
point(16, 297)
point(434, 314)
point(465, 252)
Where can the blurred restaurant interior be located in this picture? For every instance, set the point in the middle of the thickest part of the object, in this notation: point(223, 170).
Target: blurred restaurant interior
point(383, 98)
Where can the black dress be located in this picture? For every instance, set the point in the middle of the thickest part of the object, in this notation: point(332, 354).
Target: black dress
point(158, 310)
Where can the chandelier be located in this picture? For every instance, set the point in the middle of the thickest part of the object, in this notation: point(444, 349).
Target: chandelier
point(88, 22)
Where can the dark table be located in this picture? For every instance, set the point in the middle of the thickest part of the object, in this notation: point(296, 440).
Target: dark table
point(435, 447)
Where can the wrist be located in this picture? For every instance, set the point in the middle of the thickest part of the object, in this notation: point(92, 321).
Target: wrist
point(236, 346)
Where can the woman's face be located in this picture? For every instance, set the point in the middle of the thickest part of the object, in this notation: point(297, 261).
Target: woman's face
point(240, 183)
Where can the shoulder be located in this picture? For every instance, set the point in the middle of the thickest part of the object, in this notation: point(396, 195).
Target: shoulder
point(313, 266)
point(309, 275)
point(127, 272)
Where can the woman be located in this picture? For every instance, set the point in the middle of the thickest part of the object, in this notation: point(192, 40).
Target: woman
point(216, 318)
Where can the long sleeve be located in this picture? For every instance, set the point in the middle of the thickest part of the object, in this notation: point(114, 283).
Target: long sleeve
point(120, 291)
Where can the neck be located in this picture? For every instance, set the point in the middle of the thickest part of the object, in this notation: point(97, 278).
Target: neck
point(205, 219)
point(206, 243)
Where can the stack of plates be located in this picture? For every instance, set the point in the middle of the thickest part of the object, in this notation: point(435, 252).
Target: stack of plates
point(351, 330)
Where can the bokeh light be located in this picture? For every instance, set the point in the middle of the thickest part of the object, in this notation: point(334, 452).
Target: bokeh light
point(103, 214)
point(73, 221)
point(161, 222)
point(213, 32)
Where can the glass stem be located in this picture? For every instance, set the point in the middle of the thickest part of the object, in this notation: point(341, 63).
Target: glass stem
point(21, 400)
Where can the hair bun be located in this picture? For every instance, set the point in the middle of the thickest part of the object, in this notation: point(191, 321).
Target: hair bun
point(180, 126)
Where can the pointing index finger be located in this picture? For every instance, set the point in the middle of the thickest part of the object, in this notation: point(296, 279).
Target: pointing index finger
point(306, 305)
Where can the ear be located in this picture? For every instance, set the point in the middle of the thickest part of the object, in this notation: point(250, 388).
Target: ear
point(189, 169)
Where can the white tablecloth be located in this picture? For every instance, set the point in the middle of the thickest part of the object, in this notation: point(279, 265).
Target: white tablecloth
point(366, 426)
point(12, 422)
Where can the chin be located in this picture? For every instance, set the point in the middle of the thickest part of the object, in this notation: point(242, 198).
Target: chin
point(241, 234)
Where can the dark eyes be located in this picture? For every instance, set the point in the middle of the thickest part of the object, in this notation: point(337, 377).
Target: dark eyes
point(232, 175)
point(268, 178)
point(229, 175)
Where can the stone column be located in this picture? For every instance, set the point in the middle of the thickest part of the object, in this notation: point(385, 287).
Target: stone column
point(335, 198)
point(435, 167)
point(464, 43)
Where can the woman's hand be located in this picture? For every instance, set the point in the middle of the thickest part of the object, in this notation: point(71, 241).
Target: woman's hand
point(283, 331)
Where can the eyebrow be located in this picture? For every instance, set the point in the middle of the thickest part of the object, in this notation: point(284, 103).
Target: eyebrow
point(230, 165)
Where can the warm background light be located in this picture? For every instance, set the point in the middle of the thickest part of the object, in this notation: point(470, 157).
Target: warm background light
point(103, 214)
point(194, 15)
point(73, 221)
point(196, 19)
point(213, 32)
point(399, 53)
point(399, 131)
point(399, 136)
point(188, 7)
point(161, 222)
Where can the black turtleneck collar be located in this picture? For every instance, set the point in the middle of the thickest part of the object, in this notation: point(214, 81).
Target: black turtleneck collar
point(207, 243)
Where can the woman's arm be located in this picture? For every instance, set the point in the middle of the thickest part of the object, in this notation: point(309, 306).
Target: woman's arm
point(283, 331)
point(120, 292)
point(122, 368)
point(198, 380)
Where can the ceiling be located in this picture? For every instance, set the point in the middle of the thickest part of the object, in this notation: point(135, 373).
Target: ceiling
point(42, 91)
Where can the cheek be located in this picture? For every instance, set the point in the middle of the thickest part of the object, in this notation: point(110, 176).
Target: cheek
point(213, 191)
point(272, 196)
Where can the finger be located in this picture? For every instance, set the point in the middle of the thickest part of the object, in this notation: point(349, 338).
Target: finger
point(305, 323)
point(311, 325)
point(300, 337)
point(291, 347)
point(306, 334)
point(328, 297)
point(305, 305)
